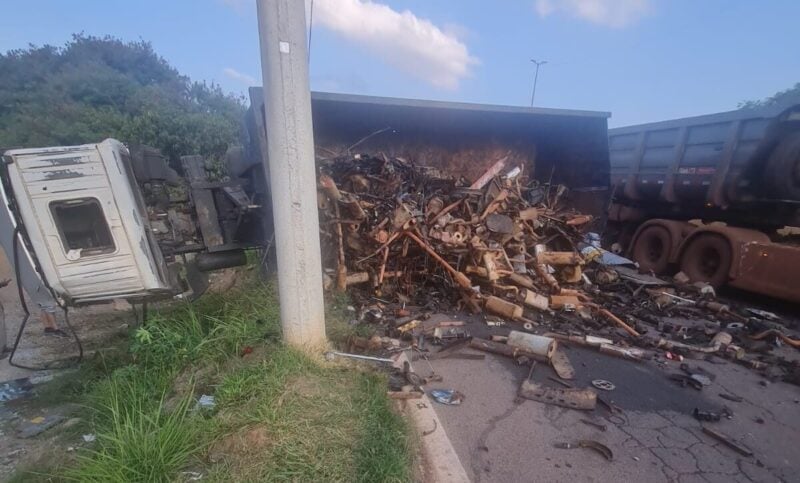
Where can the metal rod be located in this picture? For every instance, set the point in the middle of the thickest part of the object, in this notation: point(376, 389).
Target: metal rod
point(358, 356)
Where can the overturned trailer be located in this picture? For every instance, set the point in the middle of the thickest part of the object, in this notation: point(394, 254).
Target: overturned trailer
point(556, 146)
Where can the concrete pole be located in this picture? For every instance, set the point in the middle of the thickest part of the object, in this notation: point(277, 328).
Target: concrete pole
point(290, 148)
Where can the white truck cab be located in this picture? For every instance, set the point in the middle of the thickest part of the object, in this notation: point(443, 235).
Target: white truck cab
point(85, 221)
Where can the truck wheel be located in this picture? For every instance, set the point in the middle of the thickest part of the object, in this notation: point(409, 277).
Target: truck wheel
point(652, 248)
point(783, 168)
point(707, 259)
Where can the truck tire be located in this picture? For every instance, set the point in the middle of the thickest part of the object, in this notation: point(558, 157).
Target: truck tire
point(707, 259)
point(783, 169)
point(652, 248)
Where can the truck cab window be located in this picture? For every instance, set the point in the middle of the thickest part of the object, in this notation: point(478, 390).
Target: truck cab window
point(82, 226)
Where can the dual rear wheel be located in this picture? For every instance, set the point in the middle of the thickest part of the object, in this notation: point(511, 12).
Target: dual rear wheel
point(707, 258)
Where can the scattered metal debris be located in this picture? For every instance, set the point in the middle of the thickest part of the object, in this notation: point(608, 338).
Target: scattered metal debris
point(584, 399)
point(604, 450)
point(710, 416)
point(427, 432)
point(728, 441)
point(601, 427)
point(331, 355)
point(731, 397)
point(407, 241)
point(559, 381)
point(603, 385)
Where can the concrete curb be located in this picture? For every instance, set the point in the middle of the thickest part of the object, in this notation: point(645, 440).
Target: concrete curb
point(444, 464)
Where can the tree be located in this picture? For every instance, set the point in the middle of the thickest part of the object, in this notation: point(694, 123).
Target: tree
point(93, 88)
point(782, 98)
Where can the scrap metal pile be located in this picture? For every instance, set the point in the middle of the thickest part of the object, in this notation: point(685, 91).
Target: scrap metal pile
point(406, 241)
point(404, 232)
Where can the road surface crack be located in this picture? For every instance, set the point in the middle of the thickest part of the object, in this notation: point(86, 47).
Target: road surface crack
point(480, 449)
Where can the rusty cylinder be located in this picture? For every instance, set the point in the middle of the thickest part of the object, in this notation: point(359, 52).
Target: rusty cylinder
point(536, 344)
point(533, 299)
point(501, 307)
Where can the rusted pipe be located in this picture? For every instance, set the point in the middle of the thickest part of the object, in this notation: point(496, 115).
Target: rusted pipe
point(329, 186)
point(792, 342)
point(503, 349)
point(462, 280)
point(627, 328)
point(447, 209)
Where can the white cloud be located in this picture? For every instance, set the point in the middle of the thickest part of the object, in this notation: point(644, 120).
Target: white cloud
point(234, 74)
point(409, 43)
point(610, 13)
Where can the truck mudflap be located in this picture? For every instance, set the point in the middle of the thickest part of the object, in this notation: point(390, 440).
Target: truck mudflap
point(770, 269)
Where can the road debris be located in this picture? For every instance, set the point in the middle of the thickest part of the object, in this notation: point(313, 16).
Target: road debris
point(603, 385)
point(710, 416)
point(731, 397)
point(584, 399)
point(728, 441)
point(430, 431)
point(601, 427)
point(450, 397)
point(410, 244)
point(38, 425)
point(205, 402)
point(604, 450)
point(332, 355)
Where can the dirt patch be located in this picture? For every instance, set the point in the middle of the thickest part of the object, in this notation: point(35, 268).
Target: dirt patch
point(191, 380)
point(244, 442)
point(304, 387)
point(223, 281)
point(49, 449)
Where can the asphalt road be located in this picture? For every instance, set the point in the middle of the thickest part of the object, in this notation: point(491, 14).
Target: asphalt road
point(654, 439)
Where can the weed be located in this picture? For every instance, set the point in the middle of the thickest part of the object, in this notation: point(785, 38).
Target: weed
point(383, 452)
point(139, 440)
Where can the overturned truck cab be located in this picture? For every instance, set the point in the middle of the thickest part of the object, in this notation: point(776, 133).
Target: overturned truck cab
point(92, 223)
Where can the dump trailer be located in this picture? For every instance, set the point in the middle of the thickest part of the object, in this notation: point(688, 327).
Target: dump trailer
point(712, 196)
point(555, 146)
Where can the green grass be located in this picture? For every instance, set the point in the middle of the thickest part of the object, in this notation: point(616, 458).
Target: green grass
point(326, 423)
point(140, 441)
point(280, 415)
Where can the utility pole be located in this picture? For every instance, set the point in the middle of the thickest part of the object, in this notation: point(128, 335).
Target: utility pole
point(290, 149)
point(538, 63)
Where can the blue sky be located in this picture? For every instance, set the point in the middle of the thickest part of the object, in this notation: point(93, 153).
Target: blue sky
point(643, 60)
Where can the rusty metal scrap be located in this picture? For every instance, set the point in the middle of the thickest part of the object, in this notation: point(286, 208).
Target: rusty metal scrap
point(397, 234)
point(604, 450)
point(477, 244)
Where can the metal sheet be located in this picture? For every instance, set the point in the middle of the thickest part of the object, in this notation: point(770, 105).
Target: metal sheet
point(769, 268)
point(584, 399)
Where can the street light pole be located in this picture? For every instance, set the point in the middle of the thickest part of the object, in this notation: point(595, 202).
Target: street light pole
point(538, 63)
point(290, 169)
